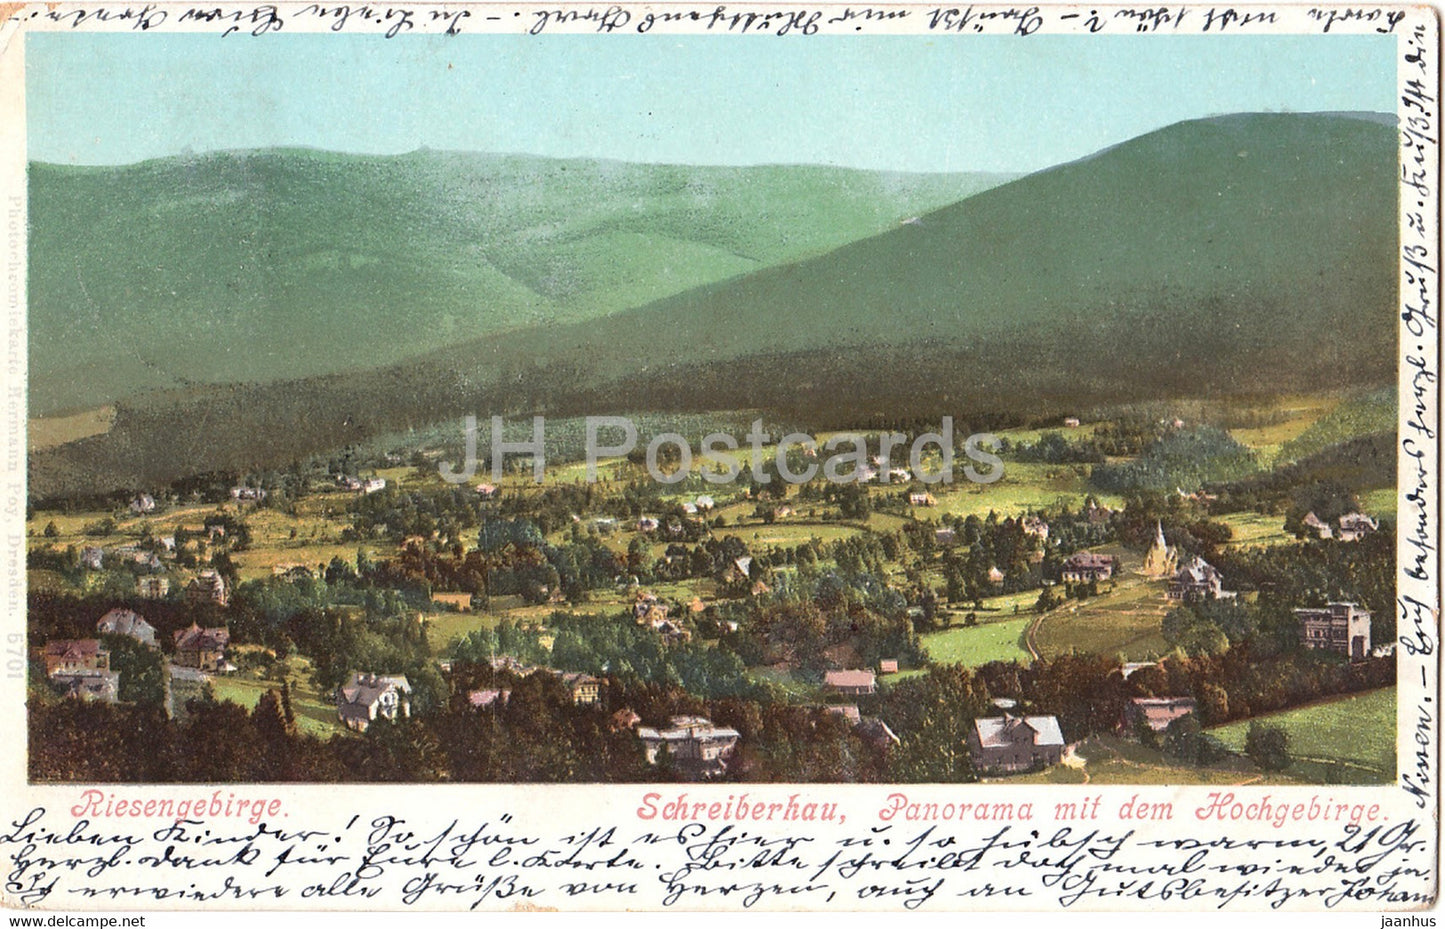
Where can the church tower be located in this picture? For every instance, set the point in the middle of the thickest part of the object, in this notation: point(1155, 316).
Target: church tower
point(1161, 560)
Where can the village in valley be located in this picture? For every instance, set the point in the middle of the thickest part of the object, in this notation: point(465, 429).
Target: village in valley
point(964, 442)
point(1143, 597)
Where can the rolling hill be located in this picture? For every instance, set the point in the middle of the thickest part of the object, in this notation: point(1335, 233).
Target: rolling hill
point(258, 265)
point(1226, 234)
point(1247, 254)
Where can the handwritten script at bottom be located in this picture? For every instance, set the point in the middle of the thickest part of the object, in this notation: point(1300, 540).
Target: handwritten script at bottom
point(55, 860)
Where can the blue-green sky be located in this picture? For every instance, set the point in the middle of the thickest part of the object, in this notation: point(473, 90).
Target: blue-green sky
point(901, 103)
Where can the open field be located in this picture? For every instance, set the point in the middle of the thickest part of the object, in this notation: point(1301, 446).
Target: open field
point(444, 628)
point(788, 533)
point(38, 579)
point(258, 560)
point(998, 607)
point(1256, 529)
point(976, 645)
point(1348, 740)
point(50, 431)
point(1384, 501)
point(1023, 487)
point(1124, 621)
point(1363, 414)
point(797, 690)
point(1297, 415)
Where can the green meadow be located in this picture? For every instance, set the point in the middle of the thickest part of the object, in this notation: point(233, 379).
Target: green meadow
point(1349, 740)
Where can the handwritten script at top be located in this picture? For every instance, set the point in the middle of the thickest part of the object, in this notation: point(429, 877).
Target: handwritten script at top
point(491, 863)
point(391, 20)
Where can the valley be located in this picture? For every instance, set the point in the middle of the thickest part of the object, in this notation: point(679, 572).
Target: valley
point(244, 562)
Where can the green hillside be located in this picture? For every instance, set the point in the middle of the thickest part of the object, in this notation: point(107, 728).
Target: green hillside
point(1249, 254)
point(253, 266)
point(1349, 740)
point(1206, 239)
point(1375, 413)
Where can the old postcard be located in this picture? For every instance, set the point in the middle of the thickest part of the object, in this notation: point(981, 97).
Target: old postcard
point(492, 457)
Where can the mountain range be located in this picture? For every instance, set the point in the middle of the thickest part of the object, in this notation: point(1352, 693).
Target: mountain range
point(1244, 254)
point(262, 265)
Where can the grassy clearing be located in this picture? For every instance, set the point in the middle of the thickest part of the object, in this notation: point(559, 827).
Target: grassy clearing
point(789, 534)
point(257, 561)
point(36, 579)
point(312, 537)
point(1351, 739)
point(976, 645)
point(796, 690)
point(49, 431)
point(1369, 414)
point(1024, 486)
point(1299, 414)
point(315, 713)
point(1256, 529)
point(444, 628)
point(886, 522)
point(1124, 621)
point(999, 607)
point(1384, 501)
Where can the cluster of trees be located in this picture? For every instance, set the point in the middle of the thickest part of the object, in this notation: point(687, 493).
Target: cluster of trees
point(1128, 434)
point(512, 557)
point(1289, 576)
point(1088, 693)
point(262, 608)
point(1328, 500)
point(1209, 627)
point(339, 642)
point(1186, 741)
point(711, 557)
point(1054, 448)
point(1184, 459)
point(1186, 522)
point(982, 545)
point(1251, 680)
point(142, 670)
point(822, 622)
point(1072, 530)
point(932, 715)
point(451, 513)
point(616, 646)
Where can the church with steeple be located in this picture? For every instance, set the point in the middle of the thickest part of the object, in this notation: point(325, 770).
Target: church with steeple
point(1161, 561)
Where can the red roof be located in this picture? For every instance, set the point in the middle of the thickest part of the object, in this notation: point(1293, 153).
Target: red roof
point(849, 679)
